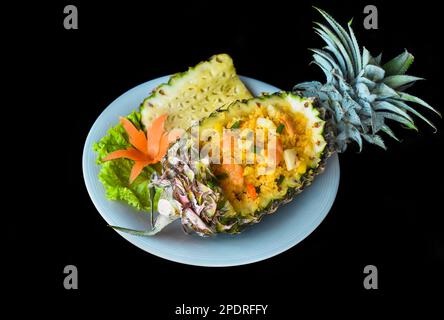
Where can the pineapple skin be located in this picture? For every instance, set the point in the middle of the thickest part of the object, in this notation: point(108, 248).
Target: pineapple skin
point(195, 94)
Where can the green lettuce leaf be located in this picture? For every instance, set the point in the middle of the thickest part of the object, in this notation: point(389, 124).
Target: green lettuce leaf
point(114, 174)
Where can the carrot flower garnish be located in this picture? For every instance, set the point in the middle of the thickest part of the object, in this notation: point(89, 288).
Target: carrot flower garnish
point(146, 149)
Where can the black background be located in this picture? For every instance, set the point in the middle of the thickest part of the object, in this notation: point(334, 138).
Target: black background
point(388, 208)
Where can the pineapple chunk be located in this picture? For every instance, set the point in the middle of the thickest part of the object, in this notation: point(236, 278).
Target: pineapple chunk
point(272, 112)
point(265, 123)
point(291, 159)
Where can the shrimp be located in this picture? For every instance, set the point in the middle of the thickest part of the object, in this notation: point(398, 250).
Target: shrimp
point(288, 125)
point(235, 174)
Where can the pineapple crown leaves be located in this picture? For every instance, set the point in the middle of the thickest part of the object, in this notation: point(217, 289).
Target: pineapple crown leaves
point(360, 92)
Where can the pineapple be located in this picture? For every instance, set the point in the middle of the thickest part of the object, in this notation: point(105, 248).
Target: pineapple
point(359, 97)
point(354, 105)
point(194, 94)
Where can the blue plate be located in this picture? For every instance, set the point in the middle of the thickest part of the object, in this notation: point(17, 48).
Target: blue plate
point(275, 234)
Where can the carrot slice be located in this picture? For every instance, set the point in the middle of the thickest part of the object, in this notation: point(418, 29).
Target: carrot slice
point(163, 148)
point(137, 169)
point(251, 191)
point(154, 134)
point(129, 153)
point(136, 137)
point(144, 152)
